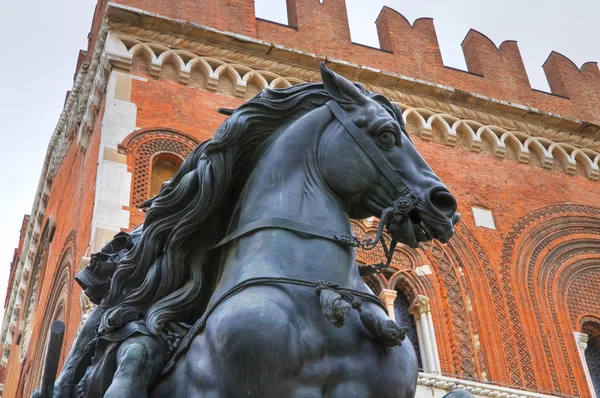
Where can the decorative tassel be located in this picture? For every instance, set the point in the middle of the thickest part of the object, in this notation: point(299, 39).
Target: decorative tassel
point(385, 330)
point(333, 305)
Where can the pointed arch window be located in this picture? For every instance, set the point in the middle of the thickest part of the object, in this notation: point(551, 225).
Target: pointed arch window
point(55, 307)
point(406, 320)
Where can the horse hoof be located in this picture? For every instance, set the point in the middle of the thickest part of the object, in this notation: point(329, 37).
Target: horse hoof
point(385, 330)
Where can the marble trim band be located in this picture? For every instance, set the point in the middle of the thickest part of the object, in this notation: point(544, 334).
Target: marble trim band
point(476, 388)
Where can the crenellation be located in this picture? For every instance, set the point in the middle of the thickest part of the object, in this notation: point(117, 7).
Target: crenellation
point(582, 86)
point(564, 77)
point(291, 13)
point(232, 15)
point(591, 73)
point(502, 65)
point(415, 47)
point(317, 29)
point(477, 48)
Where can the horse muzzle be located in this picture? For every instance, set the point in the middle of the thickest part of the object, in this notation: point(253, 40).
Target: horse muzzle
point(414, 220)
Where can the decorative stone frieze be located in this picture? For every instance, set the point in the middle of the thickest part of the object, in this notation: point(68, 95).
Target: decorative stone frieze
point(430, 385)
point(500, 133)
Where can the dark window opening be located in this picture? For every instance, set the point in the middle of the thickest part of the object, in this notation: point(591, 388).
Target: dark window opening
point(592, 353)
point(404, 319)
point(164, 166)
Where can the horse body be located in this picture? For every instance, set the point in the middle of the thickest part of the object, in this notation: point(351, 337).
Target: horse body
point(337, 152)
point(275, 338)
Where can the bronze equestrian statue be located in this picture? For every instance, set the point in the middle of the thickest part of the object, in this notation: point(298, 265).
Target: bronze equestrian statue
point(242, 281)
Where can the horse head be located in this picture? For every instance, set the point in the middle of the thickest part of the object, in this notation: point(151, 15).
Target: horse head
point(369, 161)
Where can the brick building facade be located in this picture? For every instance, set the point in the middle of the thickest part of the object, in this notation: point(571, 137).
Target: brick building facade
point(510, 307)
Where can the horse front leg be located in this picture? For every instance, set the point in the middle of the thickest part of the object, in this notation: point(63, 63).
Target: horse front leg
point(140, 360)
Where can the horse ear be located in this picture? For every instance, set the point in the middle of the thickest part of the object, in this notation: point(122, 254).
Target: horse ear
point(340, 88)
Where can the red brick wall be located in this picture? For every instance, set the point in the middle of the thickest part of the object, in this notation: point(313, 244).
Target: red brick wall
point(481, 288)
point(71, 203)
point(167, 104)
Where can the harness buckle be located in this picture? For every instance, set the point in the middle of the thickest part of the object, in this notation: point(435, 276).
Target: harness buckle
point(349, 240)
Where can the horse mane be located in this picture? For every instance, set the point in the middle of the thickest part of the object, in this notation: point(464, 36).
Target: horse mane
point(169, 274)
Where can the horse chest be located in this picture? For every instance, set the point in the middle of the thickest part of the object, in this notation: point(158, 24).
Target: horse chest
point(281, 345)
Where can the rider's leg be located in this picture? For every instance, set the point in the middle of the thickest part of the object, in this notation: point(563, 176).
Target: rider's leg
point(140, 360)
point(79, 358)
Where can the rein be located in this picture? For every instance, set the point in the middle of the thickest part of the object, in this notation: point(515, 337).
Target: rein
point(290, 225)
point(335, 301)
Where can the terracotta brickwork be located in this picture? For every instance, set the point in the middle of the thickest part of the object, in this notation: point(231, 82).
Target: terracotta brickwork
point(70, 203)
point(504, 302)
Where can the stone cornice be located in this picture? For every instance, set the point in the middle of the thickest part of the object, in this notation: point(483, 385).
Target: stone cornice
point(263, 55)
point(449, 384)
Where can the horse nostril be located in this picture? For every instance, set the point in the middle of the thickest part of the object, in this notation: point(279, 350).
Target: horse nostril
point(456, 219)
point(443, 201)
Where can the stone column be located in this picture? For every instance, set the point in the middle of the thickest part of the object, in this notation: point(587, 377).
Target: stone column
point(436, 356)
point(582, 339)
point(421, 312)
point(389, 297)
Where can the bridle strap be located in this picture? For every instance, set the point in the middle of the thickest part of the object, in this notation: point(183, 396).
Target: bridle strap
point(343, 238)
point(290, 225)
point(368, 148)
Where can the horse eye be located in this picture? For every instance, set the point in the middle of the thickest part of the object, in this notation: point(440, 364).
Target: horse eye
point(387, 138)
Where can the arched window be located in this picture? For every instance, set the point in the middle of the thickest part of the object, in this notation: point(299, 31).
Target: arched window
point(153, 156)
point(406, 320)
point(592, 353)
point(55, 308)
point(153, 153)
point(164, 166)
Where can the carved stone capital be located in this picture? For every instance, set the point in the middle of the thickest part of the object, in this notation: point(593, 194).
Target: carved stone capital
point(582, 340)
point(419, 306)
point(388, 296)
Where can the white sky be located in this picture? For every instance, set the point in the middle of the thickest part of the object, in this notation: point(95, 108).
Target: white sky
point(40, 42)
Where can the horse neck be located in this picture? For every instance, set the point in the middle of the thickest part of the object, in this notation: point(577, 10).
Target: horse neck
point(286, 183)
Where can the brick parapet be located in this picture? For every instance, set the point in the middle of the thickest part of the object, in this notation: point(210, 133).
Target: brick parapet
point(305, 64)
point(496, 72)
